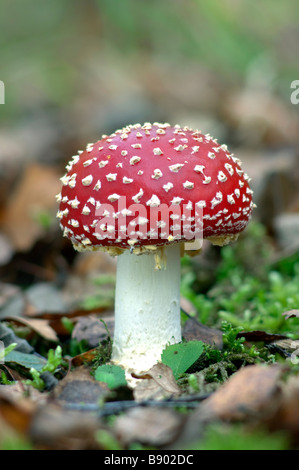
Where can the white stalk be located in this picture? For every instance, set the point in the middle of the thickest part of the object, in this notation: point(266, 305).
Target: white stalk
point(147, 309)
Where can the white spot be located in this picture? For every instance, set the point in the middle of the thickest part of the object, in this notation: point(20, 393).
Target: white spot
point(74, 203)
point(222, 176)
point(111, 176)
point(154, 201)
point(211, 155)
point(230, 198)
point(65, 180)
point(113, 197)
point(195, 149)
point(125, 212)
point(157, 174)
point(112, 147)
point(229, 168)
point(97, 185)
point(188, 185)
point(136, 146)
point(157, 151)
point(175, 168)
point(72, 181)
point(142, 220)
point(119, 165)
point(180, 147)
point(177, 200)
point(75, 158)
point(85, 210)
point(199, 168)
point(237, 192)
point(103, 163)
point(127, 180)
point(217, 199)
point(207, 180)
point(88, 162)
point(124, 153)
point(137, 196)
point(87, 180)
point(86, 241)
point(134, 160)
point(92, 201)
point(167, 187)
point(74, 223)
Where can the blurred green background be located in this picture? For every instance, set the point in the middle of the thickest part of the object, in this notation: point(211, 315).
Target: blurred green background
point(104, 63)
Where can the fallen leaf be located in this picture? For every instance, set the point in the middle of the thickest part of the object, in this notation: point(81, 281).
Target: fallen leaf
point(286, 348)
point(40, 327)
point(257, 335)
point(250, 393)
point(291, 313)
point(148, 426)
point(246, 393)
point(193, 330)
point(35, 193)
point(92, 329)
point(53, 427)
point(84, 358)
point(286, 414)
point(158, 383)
point(16, 408)
point(79, 387)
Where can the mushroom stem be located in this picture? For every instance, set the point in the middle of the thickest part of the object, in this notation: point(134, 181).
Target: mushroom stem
point(147, 309)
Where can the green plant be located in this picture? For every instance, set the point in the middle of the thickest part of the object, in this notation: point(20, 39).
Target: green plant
point(54, 361)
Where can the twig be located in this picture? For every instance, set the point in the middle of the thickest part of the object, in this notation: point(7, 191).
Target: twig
point(116, 407)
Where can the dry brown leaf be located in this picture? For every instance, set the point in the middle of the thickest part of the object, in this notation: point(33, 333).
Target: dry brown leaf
point(35, 193)
point(92, 330)
point(291, 313)
point(84, 358)
point(16, 408)
point(251, 393)
point(149, 426)
point(40, 327)
point(158, 383)
point(79, 387)
point(193, 330)
point(248, 392)
point(53, 427)
point(286, 415)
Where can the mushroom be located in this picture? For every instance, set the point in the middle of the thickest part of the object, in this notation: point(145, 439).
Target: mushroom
point(140, 194)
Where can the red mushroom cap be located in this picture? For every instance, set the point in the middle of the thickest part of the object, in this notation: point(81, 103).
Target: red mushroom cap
point(117, 192)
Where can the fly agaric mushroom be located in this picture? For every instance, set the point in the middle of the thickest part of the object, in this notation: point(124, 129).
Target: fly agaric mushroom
point(141, 193)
